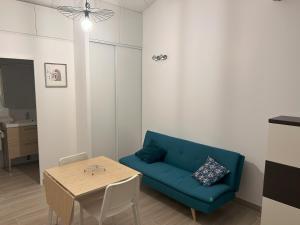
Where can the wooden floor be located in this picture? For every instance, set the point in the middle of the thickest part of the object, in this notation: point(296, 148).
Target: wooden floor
point(22, 202)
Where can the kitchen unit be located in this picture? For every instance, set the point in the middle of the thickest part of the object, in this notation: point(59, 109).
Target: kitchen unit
point(281, 195)
point(19, 140)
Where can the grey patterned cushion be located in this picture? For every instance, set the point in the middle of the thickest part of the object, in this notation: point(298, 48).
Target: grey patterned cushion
point(211, 172)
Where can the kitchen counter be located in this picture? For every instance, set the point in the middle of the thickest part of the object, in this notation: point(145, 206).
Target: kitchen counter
point(21, 123)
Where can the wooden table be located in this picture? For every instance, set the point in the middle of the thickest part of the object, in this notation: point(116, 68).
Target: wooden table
point(65, 184)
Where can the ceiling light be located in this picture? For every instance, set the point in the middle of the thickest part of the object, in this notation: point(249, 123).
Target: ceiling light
point(86, 24)
point(86, 14)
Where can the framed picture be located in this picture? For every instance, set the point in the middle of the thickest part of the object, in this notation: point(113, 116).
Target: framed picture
point(56, 75)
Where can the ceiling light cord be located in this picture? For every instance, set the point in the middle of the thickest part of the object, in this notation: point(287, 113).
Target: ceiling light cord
point(87, 5)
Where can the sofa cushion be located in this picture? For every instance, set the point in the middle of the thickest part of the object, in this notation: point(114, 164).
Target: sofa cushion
point(151, 153)
point(176, 178)
point(210, 172)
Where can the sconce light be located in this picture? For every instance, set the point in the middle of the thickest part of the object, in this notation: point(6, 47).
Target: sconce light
point(159, 57)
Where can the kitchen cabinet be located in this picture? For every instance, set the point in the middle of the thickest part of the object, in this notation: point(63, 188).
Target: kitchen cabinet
point(19, 141)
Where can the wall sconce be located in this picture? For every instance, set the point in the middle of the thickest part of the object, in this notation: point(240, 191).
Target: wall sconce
point(159, 57)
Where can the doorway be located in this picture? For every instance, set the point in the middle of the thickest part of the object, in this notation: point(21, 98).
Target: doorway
point(18, 121)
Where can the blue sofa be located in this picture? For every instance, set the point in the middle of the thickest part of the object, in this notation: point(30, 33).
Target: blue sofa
point(173, 176)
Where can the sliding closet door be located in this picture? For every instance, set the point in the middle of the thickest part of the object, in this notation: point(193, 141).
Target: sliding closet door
point(103, 100)
point(129, 100)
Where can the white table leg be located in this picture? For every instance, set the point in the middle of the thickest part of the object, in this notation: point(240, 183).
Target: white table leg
point(81, 219)
point(50, 216)
point(136, 214)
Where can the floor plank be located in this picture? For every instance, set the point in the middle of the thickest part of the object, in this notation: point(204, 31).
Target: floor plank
point(22, 202)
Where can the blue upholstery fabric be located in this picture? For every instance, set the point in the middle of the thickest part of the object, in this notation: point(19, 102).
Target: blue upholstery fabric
point(187, 200)
point(151, 153)
point(173, 177)
point(176, 178)
point(190, 156)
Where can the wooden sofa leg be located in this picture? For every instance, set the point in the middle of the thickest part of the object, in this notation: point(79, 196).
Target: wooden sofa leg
point(194, 214)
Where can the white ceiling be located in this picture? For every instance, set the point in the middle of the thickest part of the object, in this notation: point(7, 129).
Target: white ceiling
point(136, 5)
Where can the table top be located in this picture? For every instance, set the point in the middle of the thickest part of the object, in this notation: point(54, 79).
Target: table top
point(73, 178)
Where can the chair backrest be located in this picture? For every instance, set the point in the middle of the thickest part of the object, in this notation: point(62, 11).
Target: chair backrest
point(120, 196)
point(73, 158)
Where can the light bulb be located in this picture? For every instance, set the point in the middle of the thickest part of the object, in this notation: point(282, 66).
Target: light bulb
point(86, 24)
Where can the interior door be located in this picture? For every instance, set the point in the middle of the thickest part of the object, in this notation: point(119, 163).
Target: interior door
point(103, 100)
point(129, 100)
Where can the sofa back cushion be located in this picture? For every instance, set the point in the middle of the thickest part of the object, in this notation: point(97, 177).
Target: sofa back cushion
point(190, 156)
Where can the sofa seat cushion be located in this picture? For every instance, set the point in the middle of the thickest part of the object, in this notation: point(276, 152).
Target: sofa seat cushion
point(176, 178)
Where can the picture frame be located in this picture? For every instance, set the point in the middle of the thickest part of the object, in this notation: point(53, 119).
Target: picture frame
point(56, 75)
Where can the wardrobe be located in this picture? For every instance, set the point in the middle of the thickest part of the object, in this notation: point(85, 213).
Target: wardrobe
point(115, 99)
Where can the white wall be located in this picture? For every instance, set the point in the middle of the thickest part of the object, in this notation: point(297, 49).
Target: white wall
point(231, 66)
point(81, 59)
point(59, 27)
point(17, 17)
point(56, 107)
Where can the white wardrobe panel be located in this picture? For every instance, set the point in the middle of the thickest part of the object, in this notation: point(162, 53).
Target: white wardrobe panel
point(51, 23)
point(107, 30)
point(131, 27)
point(103, 100)
point(17, 17)
point(129, 94)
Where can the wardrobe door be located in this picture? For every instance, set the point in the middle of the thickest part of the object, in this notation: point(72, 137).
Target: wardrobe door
point(129, 100)
point(103, 100)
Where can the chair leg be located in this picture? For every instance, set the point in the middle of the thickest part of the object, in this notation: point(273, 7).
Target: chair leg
point(136, 214)
point(194, 214)
point(56, 222)
point(50, 216)
point(81, 216)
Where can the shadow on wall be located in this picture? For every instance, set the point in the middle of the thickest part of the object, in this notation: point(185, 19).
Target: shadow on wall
point(251, 175)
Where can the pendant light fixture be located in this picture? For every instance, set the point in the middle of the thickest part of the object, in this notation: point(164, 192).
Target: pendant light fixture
point(86, 14)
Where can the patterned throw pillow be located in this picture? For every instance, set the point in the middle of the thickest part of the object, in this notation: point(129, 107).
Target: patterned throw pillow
point(211, 172)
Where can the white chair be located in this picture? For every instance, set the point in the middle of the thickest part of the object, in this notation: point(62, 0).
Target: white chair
point(118, 197)
point(65, 161)
point(72, 158)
